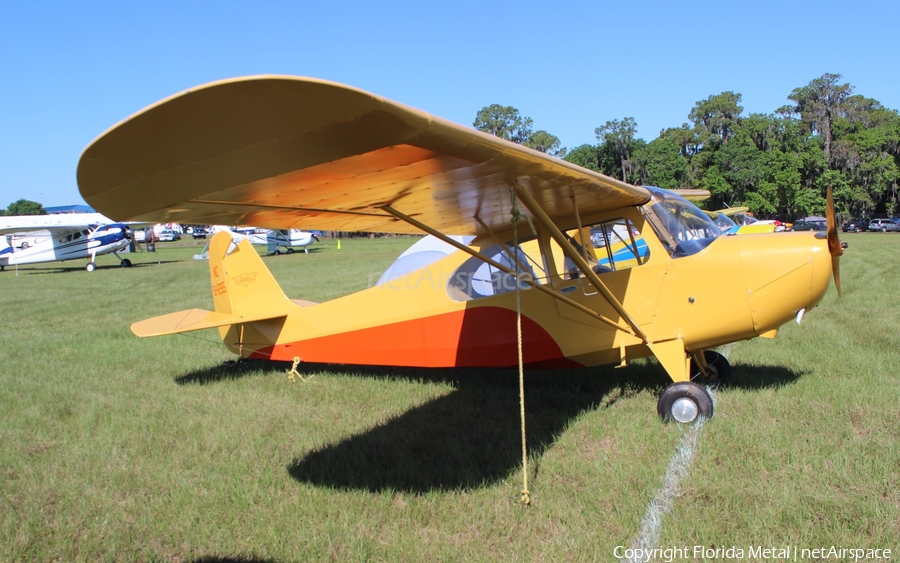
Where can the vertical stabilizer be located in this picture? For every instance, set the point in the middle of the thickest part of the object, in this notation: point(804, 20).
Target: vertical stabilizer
point(241, 283)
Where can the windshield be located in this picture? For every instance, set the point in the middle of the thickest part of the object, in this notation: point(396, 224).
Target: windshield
point(689, 230)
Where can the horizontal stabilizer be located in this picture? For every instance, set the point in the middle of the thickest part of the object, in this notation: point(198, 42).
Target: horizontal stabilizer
point(190, 320)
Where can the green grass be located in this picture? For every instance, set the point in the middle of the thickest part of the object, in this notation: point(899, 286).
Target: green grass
point(115, 448)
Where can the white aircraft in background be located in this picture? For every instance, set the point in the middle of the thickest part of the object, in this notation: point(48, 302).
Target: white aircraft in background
point(273, 239)
point(289, 239)
point(255, 236)
point(70, 236)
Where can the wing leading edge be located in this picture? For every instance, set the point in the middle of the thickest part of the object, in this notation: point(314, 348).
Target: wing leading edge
point(290, 152)
point(64, 222)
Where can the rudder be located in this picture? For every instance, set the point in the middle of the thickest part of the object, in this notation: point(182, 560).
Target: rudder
point(242, 285)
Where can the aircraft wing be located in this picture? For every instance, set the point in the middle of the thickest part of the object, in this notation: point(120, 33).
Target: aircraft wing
point(54, 223)
point(287, 152)
point(190, 320)
point(728, 212)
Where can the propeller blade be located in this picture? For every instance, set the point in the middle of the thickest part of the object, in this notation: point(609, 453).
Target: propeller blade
point(834, 241)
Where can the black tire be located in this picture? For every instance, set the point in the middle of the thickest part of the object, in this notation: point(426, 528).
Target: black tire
point(715, 362)
point(24, 245)
point(290, 250)
point(90, 267)
point(684, 402)
point(126, 263)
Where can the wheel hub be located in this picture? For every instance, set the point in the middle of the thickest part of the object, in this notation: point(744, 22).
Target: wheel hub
point(684, 410)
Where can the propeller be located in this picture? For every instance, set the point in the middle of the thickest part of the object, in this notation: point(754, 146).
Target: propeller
point(834, 241)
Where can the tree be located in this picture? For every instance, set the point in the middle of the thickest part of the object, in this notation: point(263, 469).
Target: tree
point(504, 122)
point(819, 104)
point(619, 135)
point(546, 143)
point(717, 116)
point(25, 207)
point(585, 156)
point(660, 163)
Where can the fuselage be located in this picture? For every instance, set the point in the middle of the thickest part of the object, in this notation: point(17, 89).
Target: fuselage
point(678, 284)
point(70, 244)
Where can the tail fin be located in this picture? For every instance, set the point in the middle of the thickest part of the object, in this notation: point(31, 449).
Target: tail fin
point(241, 284)
point(244, 291)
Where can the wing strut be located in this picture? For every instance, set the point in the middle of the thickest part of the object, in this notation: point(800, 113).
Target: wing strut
point(419, 225)
point(578, 259)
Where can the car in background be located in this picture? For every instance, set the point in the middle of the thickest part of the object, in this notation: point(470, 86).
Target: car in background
point(198, 232)
point(855, 225)
point(168, 235)
point(809, 226)
point(884, 225)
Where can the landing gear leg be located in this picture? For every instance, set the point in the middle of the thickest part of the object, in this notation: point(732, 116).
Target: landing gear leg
point(92, 265)
point(709, 367)
point(125, 262)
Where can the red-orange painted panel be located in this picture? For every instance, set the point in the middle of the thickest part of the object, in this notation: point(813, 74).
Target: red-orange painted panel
point(480, 336)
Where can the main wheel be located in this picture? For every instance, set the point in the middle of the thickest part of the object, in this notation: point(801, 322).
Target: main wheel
point(290, 250)
point(684, 402)
point(90, 267)
point(126, 263)
point(716, 364)
point(24, 245)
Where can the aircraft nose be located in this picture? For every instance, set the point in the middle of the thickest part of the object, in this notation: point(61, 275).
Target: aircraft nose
point(786, 272)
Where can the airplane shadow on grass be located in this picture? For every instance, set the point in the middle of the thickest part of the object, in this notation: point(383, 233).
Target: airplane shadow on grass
point(472, 436)
point(232, 369)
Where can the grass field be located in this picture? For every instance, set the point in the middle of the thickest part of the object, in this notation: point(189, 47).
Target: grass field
point(114, 448)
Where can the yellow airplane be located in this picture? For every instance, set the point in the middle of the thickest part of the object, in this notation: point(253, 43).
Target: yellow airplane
point(598, 271)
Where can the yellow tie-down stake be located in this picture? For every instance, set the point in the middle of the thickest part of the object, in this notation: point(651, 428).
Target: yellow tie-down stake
point(296, 374)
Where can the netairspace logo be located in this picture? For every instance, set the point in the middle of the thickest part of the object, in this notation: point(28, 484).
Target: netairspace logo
point(753, 553)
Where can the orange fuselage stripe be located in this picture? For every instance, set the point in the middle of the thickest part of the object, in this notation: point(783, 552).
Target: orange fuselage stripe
point(480, 336)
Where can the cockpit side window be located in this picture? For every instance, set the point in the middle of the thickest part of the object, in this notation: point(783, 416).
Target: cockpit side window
point(608, 246)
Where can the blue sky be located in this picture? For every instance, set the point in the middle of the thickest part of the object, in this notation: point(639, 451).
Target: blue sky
point(69, 70)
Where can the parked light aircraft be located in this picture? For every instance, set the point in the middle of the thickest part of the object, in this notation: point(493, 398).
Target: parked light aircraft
point(285, 152)
point(72, 236)
point(273, 239)
point(255, 236)
point(289, 239)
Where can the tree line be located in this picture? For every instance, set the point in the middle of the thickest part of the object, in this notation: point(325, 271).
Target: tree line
point(23, 207)
point(778, 163)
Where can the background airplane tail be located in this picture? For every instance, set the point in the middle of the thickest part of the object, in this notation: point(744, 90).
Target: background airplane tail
point(242, 286)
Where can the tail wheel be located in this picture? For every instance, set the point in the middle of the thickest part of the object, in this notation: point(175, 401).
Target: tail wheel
point(684, 402)
point(717, 368)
